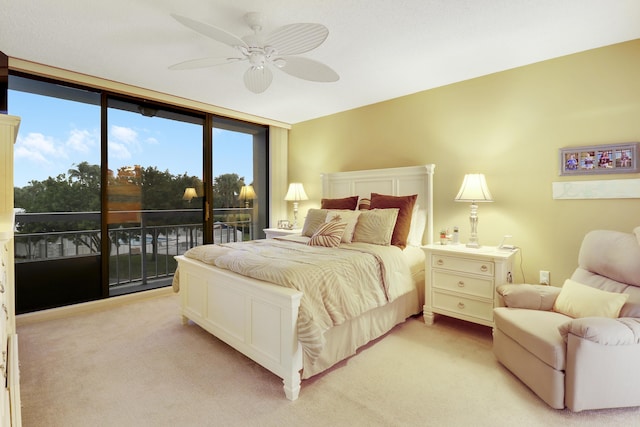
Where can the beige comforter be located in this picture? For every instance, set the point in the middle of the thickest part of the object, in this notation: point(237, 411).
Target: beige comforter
point(337, 283)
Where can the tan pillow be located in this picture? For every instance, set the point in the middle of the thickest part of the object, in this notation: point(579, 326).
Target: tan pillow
point(376, 226)
point(345, 203)
point(405, 210)
point(347, 216)
point(329, 234)
point(578, 300)
point(315, 218)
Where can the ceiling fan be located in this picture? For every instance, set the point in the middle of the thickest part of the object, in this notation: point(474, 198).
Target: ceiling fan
point(265, 51)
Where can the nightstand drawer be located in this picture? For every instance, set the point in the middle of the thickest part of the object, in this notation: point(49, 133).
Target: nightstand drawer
point(469, 285)
point(462, 265)
point(464, 306)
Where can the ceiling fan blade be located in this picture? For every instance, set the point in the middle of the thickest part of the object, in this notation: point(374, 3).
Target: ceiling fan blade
point(210, 31)
point(294, 39)
point(203, 63)
point(257, 80)
point(309, 69)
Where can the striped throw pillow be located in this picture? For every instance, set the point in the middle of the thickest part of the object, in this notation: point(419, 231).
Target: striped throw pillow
point(329, 234)
point(364, 204)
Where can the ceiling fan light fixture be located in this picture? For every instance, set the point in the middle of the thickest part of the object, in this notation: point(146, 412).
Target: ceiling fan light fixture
point(260, 50)
point(257, 59)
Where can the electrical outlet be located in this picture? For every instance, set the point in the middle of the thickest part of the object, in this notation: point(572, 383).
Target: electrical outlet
point(544, 277)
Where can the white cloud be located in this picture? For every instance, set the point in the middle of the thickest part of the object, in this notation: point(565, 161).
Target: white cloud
point(38, 148)
point(34, 156)
point(118, 150)
point(81, 140)
point(152, 140)
point(124, 134)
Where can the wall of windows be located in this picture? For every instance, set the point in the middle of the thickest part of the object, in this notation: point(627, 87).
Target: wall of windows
point(154, 178)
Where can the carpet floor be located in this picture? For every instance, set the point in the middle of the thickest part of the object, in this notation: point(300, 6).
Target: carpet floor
point(137, 365)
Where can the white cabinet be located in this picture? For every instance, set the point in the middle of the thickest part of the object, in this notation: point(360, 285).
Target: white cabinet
point(10, 414)
point(279, 232)
point(461, 282)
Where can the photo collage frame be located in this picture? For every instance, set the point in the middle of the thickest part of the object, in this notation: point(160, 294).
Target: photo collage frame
point(599, 159)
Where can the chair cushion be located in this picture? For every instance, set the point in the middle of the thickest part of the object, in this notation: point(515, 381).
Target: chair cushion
point(630, 309)
point(536, 331)
point(577, 300)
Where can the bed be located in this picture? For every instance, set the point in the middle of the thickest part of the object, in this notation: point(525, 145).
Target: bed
point(260, 319)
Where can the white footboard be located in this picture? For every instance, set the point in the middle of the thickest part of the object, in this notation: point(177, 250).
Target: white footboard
point(256, 318)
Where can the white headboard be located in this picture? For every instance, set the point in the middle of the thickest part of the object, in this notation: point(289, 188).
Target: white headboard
point(403, 181)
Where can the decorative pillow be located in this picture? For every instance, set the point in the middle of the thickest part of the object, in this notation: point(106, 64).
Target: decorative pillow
point(403, 223)
point(376, 226)
point(347, 216)
point(345, 203)
point(315, 218)
point(365, 204)
point(578, 300)
point(329, 234)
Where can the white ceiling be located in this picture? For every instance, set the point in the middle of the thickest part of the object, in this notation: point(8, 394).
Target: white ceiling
point(381, 49)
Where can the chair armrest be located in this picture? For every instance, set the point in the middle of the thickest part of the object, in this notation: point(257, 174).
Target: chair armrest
point(533, 297)
point(604, 330)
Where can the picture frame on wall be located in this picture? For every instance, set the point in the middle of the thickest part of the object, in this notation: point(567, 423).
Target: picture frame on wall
point(599, 159)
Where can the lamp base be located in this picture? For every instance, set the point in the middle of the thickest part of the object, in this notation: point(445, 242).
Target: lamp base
point(295, 214)
point(473, 219)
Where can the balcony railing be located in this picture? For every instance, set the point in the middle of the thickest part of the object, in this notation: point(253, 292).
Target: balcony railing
point(137, 252)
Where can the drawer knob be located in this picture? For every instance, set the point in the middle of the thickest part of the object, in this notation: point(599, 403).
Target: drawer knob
point(461, 284)
point(460, 305)
point(484, 268)
point(440, 261)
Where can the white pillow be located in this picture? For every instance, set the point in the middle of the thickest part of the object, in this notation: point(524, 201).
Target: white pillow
point(577, 300)
point(418, 223)
point(347, 216)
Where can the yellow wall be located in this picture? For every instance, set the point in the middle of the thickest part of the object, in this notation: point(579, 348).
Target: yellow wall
point(509, 126)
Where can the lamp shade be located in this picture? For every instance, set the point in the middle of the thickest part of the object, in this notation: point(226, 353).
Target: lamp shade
point(247, 193)
point(189, 193)
point(474, 189)
point(296, 192)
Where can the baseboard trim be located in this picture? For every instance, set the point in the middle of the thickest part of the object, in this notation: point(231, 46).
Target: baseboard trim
point(71, 310)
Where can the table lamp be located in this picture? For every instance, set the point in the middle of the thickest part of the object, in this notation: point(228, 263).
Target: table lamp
point(474, 189)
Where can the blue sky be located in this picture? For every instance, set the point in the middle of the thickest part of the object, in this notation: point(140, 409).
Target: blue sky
point(55, 134)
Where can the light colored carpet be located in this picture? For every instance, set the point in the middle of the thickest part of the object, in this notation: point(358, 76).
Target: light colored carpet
point(137, 365)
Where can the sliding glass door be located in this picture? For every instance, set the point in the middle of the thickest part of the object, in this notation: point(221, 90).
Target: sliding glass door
point(109, 188)
point(154, 192)
point(240, 180)
point(57, 179)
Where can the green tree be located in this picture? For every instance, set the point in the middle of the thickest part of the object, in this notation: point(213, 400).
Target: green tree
point(85, 175)
point(226, 188)
point(79, 191)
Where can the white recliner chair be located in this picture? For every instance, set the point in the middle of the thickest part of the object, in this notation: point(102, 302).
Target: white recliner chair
point(578, 346)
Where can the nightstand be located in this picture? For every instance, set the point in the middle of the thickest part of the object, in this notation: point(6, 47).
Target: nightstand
point(278, 232)
point(461, 282)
